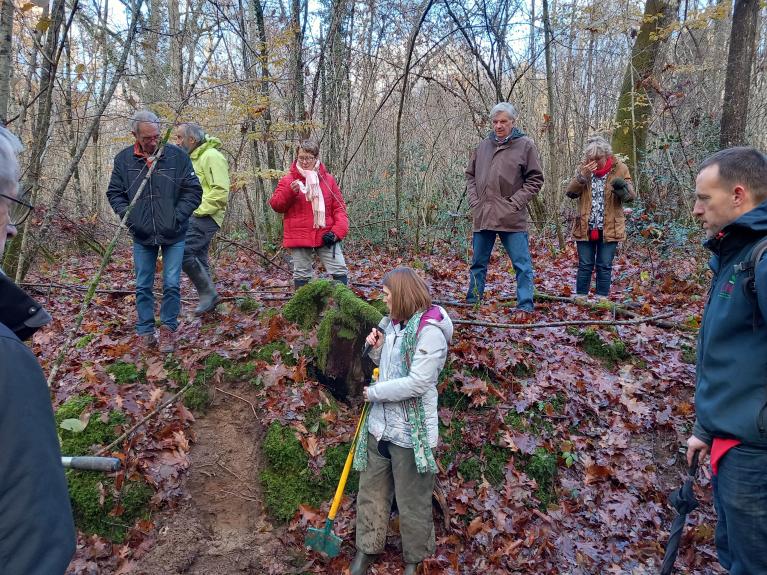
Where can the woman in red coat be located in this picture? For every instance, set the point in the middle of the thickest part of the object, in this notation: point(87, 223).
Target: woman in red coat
point(314, 216)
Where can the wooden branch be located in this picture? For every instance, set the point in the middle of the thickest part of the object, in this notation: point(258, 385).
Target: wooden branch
point(562, 323)
point(241, 399)
point(146, 418)
point(253, 251)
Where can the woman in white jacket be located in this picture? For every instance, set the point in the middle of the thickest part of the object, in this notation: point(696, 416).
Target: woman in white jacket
point(395, 450)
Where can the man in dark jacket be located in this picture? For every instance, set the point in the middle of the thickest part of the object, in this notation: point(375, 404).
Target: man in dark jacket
point(158, 221)
point(502, 177)
point(37, 534)
point(731, 388)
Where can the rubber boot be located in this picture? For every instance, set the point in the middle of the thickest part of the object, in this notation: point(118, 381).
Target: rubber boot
point(411, 568)
point(361, 563)
point(206, 290)
point(342, 279)
point(300, 283)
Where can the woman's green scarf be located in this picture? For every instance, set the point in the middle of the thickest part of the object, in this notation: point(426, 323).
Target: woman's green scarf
point(419, 436)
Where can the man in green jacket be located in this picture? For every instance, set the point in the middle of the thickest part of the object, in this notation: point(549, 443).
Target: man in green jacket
point(213, 172)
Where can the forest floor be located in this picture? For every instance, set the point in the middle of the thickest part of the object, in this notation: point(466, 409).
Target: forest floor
point(559, 444)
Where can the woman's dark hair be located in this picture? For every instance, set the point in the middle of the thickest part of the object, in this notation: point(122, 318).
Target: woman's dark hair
point(409, 293)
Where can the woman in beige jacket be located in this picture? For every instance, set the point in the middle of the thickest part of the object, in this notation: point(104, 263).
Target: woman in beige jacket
point(601, 185)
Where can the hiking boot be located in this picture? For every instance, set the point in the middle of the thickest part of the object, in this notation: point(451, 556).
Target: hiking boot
point(411, 568)
point(300, 283)
point(361, 563)
point(147, 341)
point(341, 278)
point(206, 289)
point(167, 340)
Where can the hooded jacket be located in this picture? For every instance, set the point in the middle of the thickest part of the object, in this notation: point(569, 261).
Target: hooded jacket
point(731, 372)
point(212, 170)
point(388, 416)
point(173, 192)
point(37, 533)
point(500, 180)
point(614, 229)
point(298, 225)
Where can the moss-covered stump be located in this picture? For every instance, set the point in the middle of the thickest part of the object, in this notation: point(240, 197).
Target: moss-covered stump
point(288, 481)
point(343, 321)
point(97, 504)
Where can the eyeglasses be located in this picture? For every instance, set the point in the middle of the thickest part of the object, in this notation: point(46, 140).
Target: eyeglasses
point(306, 159)
point(19, 211)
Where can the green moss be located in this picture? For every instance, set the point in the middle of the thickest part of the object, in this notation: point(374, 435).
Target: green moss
point(95, 433)
point(689, 354)
point(248, 304)
point(266, 353)
point(347, 318)
point(380, 305)
point(287, 480)
point(542, 466)
point(84, 340)
point(451, 442)
point(313, 417)
point(93, 518)
point(124, 373)
point(537, 420)
point(471, 469)
point(610, 353)
point(175, 371)
point(489, 462)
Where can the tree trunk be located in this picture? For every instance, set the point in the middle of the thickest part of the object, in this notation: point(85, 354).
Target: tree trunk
point(6, 51)
point(634, 105)
point(745, 21)
point(298, 106)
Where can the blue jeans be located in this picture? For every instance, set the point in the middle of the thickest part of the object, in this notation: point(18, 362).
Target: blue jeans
point(595, 254)
point(740, 499)
point(144, 260)
point(516, 246)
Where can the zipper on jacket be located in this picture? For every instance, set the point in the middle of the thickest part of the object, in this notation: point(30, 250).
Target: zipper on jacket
point(151, 207)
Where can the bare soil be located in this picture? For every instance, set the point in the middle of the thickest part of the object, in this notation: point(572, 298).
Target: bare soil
point(221, 527)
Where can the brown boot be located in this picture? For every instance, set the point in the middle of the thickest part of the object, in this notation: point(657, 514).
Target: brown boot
point(167, 340)
point(411, 568)
point(147, 341)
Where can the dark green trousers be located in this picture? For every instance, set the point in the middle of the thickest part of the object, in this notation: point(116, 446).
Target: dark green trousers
point(384, 478)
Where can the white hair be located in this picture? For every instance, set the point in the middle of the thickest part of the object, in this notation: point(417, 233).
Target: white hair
point(194, 131)
point(143, 116)
point(597, 147)
point(506, 108)
point(10, 146)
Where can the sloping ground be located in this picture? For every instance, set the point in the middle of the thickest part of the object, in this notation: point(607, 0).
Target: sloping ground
point(559, 445)
point(221, 526)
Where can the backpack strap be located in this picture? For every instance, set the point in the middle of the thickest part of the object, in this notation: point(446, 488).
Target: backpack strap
point(748, 266)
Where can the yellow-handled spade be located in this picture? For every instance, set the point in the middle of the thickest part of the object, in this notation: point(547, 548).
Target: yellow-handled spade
point(324, 540)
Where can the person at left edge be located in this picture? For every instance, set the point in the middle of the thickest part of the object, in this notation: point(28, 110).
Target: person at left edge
point(158, 221)
point(37, 533)
point(213, 172)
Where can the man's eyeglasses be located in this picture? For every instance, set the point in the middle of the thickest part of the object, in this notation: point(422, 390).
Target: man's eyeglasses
point(19, 210)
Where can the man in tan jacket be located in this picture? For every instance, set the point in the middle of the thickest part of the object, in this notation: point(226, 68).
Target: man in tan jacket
point(502, 177)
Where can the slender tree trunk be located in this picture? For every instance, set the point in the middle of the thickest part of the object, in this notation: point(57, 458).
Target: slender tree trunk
point(634, 104)
point(745, 22)
point(552, 177)
point(6, 58)
point(299, 93)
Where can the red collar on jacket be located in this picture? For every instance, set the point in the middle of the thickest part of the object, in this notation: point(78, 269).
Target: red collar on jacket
point(139, 153)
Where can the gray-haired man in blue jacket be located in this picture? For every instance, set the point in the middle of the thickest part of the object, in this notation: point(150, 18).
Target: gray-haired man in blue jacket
point(731, 389)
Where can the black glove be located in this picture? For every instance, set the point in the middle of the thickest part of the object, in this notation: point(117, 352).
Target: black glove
point(329, 238)
point(620, 188)
point(572, 195)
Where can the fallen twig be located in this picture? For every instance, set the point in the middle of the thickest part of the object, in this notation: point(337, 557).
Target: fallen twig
point(562, 323)
point(146, 418)
point(241, 399)
point(255, 252)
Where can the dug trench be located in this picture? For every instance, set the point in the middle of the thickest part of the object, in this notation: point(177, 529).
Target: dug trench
point(221, 526)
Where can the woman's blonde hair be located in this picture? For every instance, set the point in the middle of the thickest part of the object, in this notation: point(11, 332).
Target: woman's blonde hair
point(409, 293)
point(596, 147)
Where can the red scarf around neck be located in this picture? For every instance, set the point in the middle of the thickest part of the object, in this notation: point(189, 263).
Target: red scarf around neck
point(606, 170)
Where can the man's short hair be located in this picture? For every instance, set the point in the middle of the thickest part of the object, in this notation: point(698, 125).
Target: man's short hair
point(741, 165)
point(193, 130)
point(10, 146)
point(143, 116)
point(506, 108)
